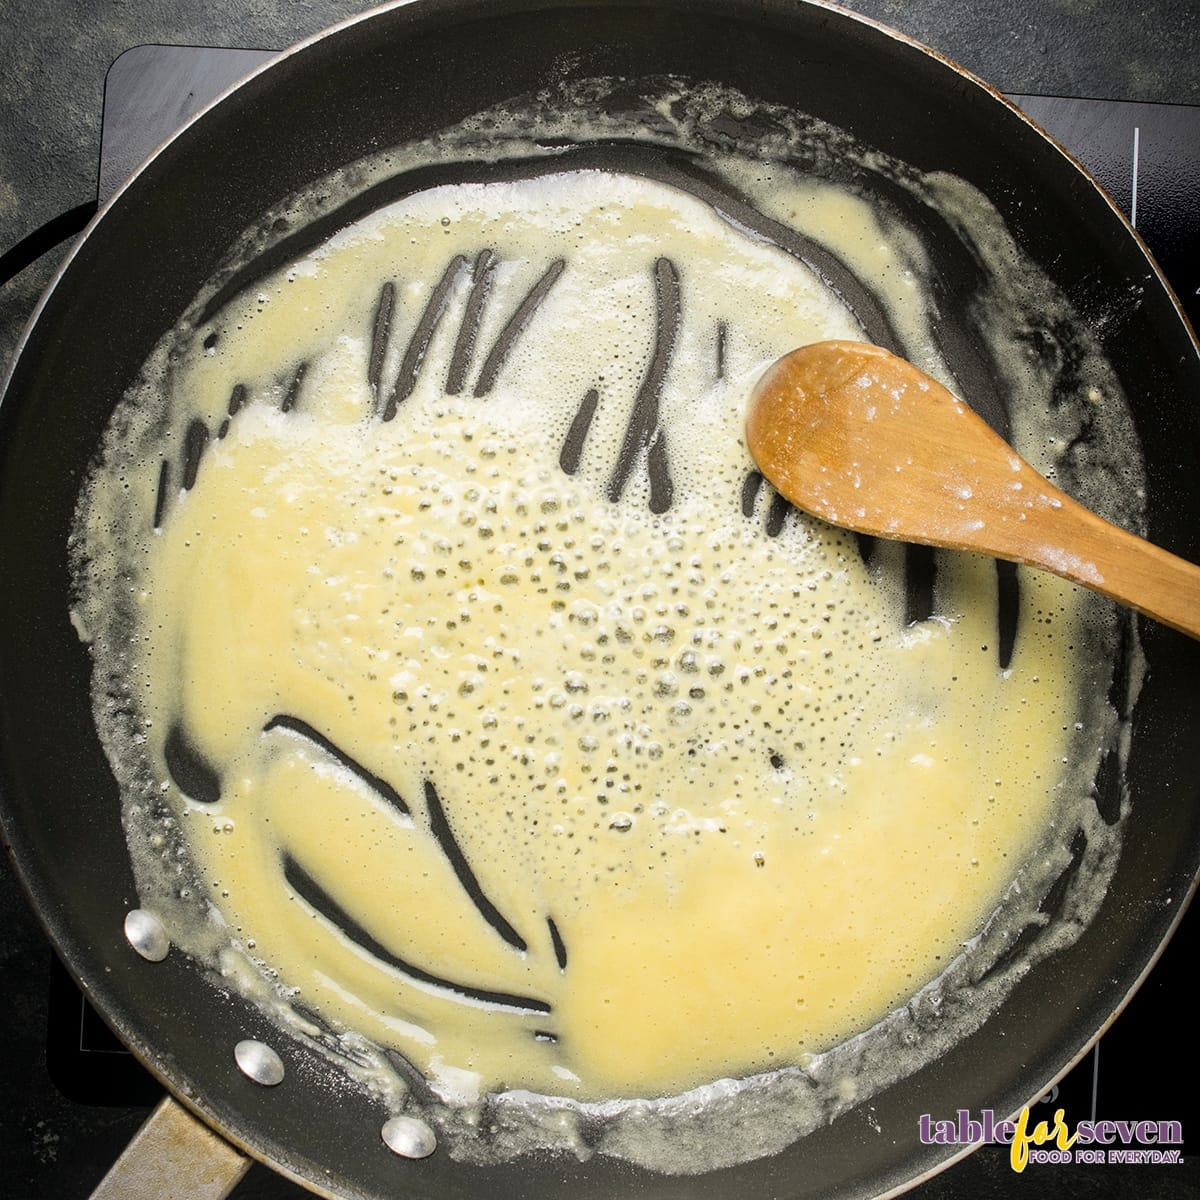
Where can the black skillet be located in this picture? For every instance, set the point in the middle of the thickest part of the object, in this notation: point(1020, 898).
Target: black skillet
point(398, 74)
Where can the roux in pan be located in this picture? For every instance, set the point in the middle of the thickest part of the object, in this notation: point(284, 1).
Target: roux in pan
point(506, 719)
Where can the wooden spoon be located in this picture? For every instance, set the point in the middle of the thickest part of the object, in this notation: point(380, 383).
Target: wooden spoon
point(864, 440)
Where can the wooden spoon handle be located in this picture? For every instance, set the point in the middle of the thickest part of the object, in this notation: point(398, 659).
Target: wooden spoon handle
point(1033, 522)
point(1112, 561)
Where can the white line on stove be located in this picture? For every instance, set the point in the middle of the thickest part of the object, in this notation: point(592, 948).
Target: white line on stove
point(1137, 135)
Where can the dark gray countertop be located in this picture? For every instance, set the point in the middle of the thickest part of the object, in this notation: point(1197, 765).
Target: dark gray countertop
point(53, 58)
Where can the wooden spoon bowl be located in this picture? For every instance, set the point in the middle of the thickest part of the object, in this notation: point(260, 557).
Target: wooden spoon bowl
point(862, 439)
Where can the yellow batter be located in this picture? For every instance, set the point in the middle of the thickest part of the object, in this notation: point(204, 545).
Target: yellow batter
point(543, 788)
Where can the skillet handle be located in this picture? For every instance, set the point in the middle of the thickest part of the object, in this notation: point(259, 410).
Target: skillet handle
point(173, 1154)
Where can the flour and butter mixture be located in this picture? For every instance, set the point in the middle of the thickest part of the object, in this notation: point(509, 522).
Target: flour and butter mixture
point(492, 712)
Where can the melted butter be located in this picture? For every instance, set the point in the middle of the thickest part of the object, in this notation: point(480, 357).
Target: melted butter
point(758, 812)
point(534, 744)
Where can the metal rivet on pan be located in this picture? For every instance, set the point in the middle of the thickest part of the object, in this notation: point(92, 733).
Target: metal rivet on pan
point(259, 1062)
point(145, 933)
point(409, 1137)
